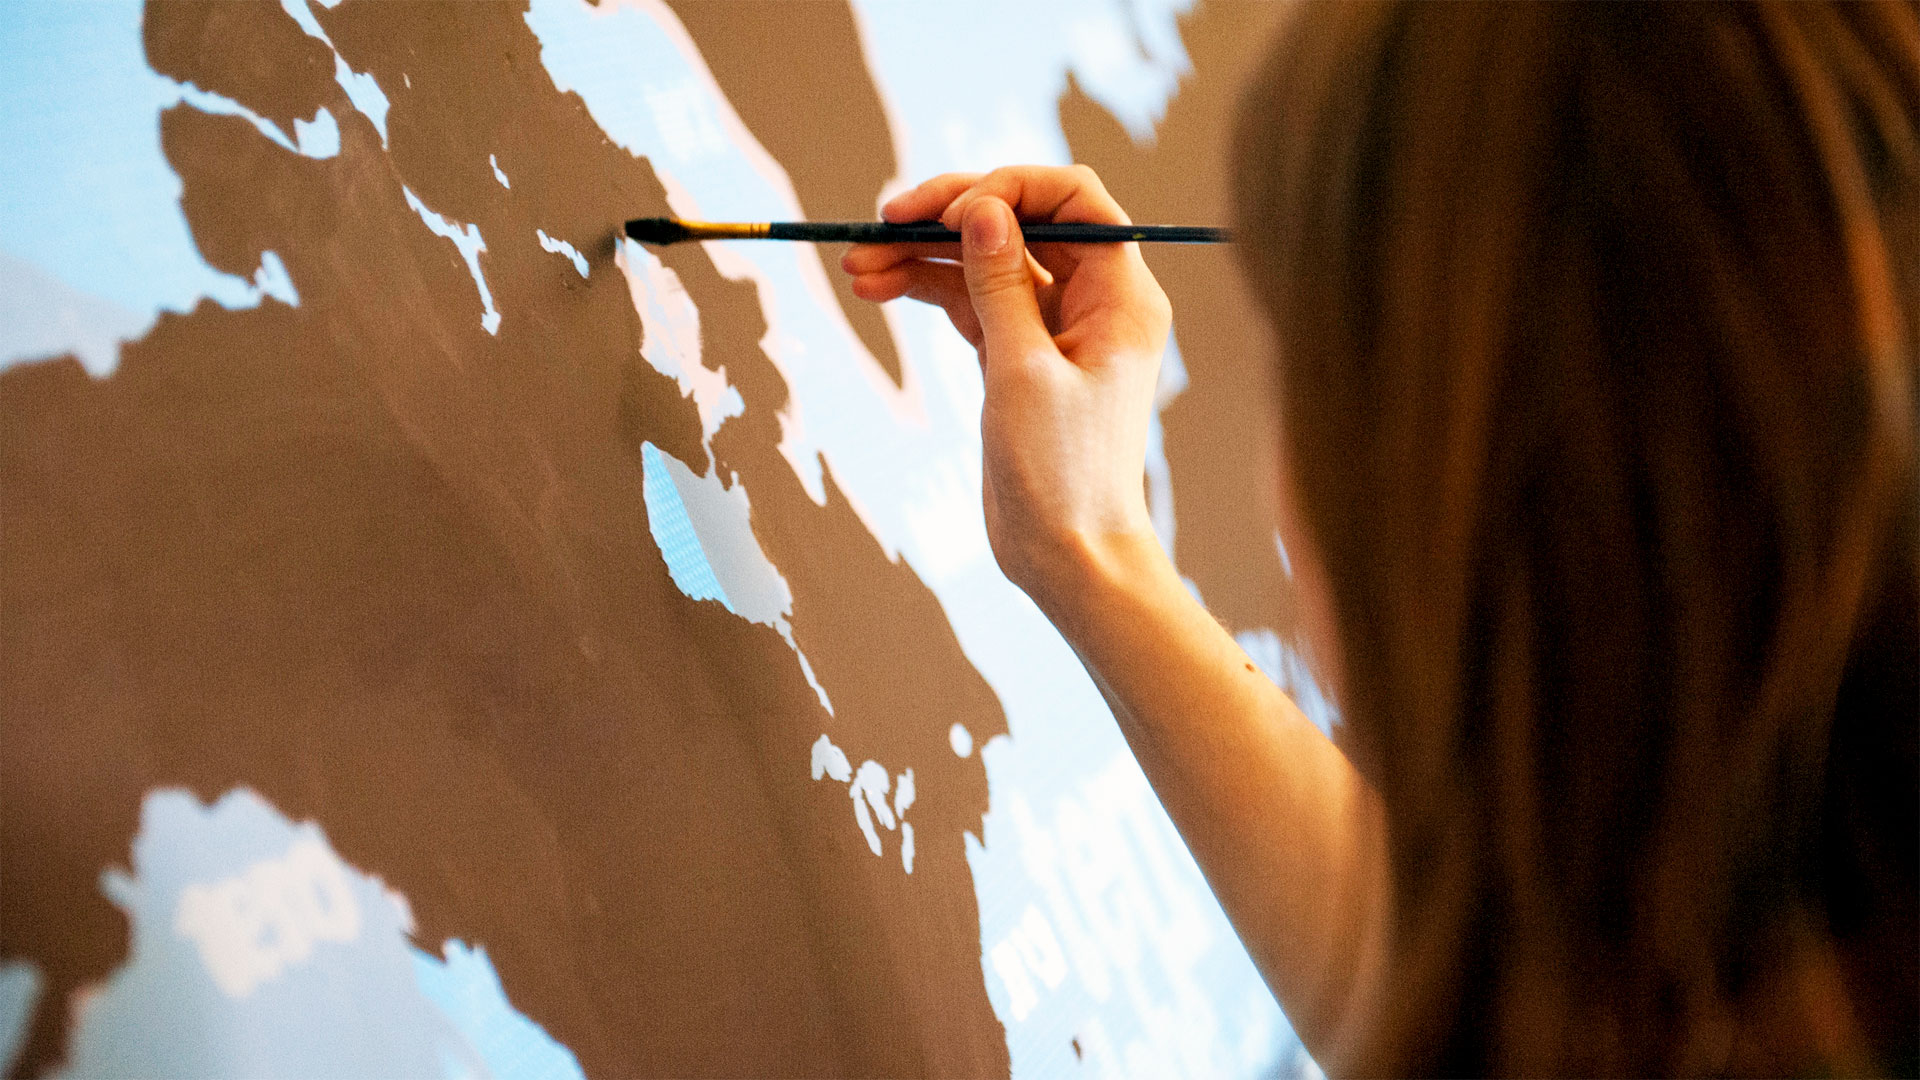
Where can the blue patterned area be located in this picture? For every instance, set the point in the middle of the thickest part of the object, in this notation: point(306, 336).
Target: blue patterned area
point(93, 245)
point(673, 532)
point(255, 951)
point(85, 192)
point(468, 991)
point(19, 989)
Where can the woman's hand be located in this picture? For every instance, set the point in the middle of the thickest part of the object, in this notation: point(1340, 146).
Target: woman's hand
point(1069, 337)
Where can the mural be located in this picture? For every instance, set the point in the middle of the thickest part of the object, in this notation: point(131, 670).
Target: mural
point(438, 637)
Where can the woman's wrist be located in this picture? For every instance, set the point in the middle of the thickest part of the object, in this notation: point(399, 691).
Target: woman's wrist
point(1086, 575)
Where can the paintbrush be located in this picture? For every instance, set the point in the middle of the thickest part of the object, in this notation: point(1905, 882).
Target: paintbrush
point(673, 230)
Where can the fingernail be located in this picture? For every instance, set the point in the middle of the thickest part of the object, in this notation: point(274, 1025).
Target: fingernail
point(985, 227)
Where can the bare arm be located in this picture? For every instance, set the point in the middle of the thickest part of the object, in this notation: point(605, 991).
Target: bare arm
point(1289, 835)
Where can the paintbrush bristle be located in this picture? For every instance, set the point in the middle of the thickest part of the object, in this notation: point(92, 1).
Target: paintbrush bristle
point(658, 230)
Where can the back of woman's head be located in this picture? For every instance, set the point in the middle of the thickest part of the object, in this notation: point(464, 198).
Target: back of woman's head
point(1597, 373)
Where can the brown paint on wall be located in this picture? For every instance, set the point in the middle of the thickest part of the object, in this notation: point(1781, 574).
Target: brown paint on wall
point(395, 574)
point(796, 75)
point(286, 76)
point(1220, 433)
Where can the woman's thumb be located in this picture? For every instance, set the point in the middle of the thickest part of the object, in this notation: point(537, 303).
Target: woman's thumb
point(998, 280)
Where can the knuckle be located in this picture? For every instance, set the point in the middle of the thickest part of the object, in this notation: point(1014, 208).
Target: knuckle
point(1159, 306)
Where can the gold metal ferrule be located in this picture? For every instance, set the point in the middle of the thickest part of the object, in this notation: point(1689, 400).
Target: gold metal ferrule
point(719, 230)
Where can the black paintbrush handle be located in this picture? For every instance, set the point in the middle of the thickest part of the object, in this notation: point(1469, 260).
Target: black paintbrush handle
point(880, 232)
point(674, 231)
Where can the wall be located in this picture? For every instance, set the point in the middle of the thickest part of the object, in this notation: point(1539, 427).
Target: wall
point(438, 638)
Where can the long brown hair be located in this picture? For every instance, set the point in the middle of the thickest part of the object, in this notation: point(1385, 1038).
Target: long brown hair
point(1597, 362)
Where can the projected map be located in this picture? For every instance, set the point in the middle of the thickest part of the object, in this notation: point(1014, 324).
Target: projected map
point(438, 638)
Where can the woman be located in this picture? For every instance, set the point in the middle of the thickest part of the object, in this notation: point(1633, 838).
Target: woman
point(1596, 379)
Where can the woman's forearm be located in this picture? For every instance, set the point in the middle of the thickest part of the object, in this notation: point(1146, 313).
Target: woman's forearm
point(1287, 832)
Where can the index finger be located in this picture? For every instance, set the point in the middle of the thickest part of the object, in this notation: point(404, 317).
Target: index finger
point(925, 202)
point(1043, 193)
